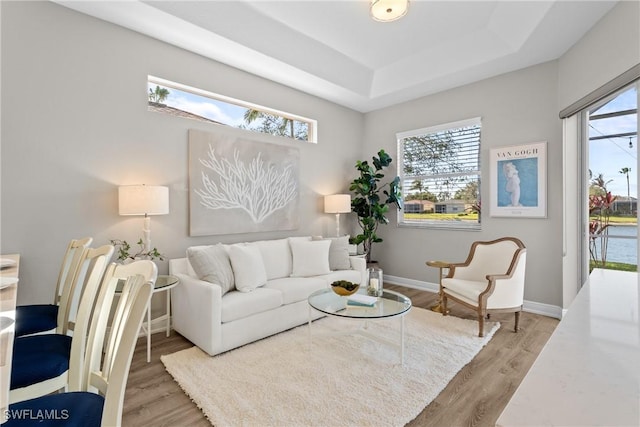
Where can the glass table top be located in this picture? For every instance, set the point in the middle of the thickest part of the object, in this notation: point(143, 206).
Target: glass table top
point(162, 281)
point(390, 304)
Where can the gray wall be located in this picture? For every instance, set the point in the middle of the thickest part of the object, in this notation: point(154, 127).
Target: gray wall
point(75, 125)
point(610, 48)
point(516, 108)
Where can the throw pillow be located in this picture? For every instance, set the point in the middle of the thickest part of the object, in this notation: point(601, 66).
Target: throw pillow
point(211, 263)
point(276, 257)
point(310, 258)
point(248, 267)
point(339, 253)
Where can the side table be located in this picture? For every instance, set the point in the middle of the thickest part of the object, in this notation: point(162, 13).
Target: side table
point(441, 265)
point(164, 283)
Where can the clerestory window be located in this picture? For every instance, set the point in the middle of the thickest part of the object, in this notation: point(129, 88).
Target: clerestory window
point(440, 173)
point(184, 101)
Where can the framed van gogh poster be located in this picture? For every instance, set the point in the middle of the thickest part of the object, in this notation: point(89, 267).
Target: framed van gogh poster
point(519, 181)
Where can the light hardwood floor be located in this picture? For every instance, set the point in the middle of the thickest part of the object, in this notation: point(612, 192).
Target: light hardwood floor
point(475, 397)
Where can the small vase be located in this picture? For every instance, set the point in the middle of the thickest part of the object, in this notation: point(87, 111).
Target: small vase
point(374, 281)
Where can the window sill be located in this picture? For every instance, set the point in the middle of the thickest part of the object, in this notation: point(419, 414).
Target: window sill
point(442, 225)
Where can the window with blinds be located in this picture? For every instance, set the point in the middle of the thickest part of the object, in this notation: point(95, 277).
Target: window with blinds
point(440, 173)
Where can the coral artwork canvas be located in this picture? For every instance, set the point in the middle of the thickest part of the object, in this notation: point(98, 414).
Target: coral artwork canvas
point(241, 185)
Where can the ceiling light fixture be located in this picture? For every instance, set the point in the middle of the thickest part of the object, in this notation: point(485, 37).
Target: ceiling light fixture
point(388, 10)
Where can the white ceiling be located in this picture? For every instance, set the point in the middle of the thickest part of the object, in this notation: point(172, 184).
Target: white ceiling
point(334, 50)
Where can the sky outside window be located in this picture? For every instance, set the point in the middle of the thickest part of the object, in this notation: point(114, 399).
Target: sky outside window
point(177, 99)
point(609, 156)
point(223, 112)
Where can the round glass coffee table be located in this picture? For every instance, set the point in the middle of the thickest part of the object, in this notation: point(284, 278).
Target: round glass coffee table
point(390, 304)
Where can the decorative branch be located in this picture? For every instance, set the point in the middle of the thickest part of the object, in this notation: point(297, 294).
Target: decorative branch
point(256, 188)
point(123, 248)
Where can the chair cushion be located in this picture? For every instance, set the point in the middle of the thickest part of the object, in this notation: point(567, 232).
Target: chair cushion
point(469, 289)
point(39, 357)
point(80, 409)
point(32, 319)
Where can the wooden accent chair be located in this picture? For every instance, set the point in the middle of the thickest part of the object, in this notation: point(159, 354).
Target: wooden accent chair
point(490, 280)
point(53, 318)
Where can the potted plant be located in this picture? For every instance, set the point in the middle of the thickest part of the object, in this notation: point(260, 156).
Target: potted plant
point(372, 199)
point(123, 249)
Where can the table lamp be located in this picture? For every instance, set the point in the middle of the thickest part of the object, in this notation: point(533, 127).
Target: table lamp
point(337, 204)
point(143, 200)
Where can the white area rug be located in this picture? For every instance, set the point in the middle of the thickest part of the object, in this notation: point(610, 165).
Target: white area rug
point(337, 380)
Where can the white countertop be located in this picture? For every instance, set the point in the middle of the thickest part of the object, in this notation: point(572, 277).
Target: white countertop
point(588, 373)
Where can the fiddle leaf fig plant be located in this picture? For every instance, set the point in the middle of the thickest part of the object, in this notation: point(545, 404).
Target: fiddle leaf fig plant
point(372, 199)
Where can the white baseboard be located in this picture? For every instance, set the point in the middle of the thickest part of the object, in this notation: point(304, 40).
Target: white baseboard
point(529, 306)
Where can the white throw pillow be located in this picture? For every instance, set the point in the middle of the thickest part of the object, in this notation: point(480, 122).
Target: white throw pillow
point(310, 258)
point(248, 267)
point(338, 253)
point(276, 256)
point(211, 263)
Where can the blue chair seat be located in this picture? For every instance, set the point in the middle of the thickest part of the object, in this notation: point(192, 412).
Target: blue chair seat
point(32, 319)
point(38, 358)
point(80, 409)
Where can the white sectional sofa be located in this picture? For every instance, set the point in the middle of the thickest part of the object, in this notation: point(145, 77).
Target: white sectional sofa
point(231, 295)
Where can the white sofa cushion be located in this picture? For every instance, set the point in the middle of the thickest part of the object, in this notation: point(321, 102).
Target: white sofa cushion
point(276, 257)
point(238, 305)
point(296, 289)
point(248, 267)
point(211, 264)
point(310, 258)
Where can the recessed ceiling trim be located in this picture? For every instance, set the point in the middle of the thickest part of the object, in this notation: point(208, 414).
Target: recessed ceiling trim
point(341, 55)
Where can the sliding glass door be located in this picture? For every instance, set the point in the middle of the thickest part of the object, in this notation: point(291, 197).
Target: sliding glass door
point(611, 181)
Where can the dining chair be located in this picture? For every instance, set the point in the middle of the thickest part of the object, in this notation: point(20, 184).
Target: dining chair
point(149, 271)
point(41, 363)
point(106, 375)
point(490, 280)
point(47, 318)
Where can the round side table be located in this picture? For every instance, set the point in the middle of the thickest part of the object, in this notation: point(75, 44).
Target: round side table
point(163, 283)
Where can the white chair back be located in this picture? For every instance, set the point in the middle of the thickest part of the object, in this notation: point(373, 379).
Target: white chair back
point(89, 277)
point(93, 266)
point(149, 271)
point(108, 375)
point(495, 257)
point(66, 289)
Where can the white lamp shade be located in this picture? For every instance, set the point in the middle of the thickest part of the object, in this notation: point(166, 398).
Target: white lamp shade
point(337, 203)
point(143, 200)
point(388, 10)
